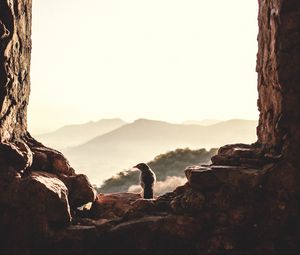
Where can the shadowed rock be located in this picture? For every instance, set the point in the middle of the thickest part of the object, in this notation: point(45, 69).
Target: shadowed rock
point(114, 205)
point(14, 158)
point(48, 195)
point(80, 189)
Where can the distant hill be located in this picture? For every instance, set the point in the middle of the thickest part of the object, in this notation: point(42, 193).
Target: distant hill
point(166, 167)
point(205, 122)
point(143, 139)
point(73, 135)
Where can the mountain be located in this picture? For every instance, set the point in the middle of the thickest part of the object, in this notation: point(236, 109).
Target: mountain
point(205, 122)
point(143, 139)
point(73, 135)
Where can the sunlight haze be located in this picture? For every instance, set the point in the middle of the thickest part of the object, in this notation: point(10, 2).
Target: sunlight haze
point(171, 60)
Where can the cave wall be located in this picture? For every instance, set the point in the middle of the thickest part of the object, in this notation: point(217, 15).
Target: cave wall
point(18, 150)
point(38, 187)
point(278, 67)
point(15, 49)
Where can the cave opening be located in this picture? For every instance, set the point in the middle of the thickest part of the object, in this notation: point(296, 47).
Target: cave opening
point(158, 52)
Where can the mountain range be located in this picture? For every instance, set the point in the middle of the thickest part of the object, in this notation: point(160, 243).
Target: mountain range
point(73, 135)
point(143, 139)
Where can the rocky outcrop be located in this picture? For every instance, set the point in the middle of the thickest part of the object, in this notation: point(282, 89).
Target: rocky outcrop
point(221, 209)
point(15, 50)
point(113, 206)
point(80, 189)
point(278, 76)
point(32, 205)
point(38, 188)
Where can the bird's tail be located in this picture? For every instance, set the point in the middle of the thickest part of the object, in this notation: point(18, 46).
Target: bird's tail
point(148, 192)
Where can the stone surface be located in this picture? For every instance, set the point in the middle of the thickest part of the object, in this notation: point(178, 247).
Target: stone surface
point(191, 202)
point(15, 49)
point(115, 205)
point(278, 76)
point(13, 158)
point(48, 195)
point(214, 176)
point(47, 159)
point(32, 204)
point(80, 189)
point(31, 207)
point(202, 178)
point(251, 156)
point(164, 235)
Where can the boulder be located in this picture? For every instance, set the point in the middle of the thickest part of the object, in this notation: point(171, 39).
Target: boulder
point(14, 158)
point(211, 177)
point(190, 202)
point(49, 160)
point(30, 209)
point(115, 205)
point(170, 234)
point(46, 198)
point(202, 178)
point(80, 189)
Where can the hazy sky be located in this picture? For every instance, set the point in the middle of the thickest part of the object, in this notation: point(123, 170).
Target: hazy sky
point(170, 60)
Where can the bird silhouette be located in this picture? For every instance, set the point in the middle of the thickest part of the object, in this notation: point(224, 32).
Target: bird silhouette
point(147, 179)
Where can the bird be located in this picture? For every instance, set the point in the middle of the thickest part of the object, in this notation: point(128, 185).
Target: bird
point(147, 179)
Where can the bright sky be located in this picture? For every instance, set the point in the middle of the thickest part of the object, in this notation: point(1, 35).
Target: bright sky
point(171, 60)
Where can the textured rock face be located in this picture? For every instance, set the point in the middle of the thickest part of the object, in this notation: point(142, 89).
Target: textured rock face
point(15, 49)
point(30, 207)
point(278, 76)
point(81, 191)
point(48, 192)
point(33, 202)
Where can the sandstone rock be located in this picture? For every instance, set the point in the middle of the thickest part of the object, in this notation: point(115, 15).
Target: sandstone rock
point(113, 205)
point(202, 178)
point(278, 77)
point(32, 207)
point(13, 159)
point(240, 176)
point(48, 160)
point(80, 190)
point(143, 205)
point(44, 194)
point(242, 155)
point(164, 234)
point(15, 37)
point(191, 202)
point(229, 148)
point(163, 202)
point(210, 177)
point(75, 239)
point(9, 184)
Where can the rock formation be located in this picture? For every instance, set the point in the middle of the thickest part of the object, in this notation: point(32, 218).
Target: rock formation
point(246, 201)
point(278, 76)
point(37, 184)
